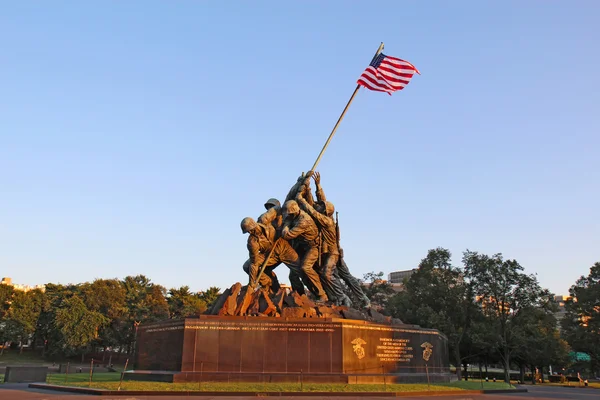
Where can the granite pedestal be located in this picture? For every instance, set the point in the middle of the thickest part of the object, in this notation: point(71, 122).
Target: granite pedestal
point(263, 349)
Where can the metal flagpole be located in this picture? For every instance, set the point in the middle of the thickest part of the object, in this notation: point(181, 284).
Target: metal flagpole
point(379, 50)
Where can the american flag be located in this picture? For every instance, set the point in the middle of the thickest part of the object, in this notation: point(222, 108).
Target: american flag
point(387, 74)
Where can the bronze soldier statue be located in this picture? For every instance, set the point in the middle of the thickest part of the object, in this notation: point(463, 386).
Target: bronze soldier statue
point(272, 215)
point(322, 215)
point(344, 274)
point(261, 240)
point(272, 202)
point(300, 227)
point(342, 270)
point(302, 185)
point(297, 234)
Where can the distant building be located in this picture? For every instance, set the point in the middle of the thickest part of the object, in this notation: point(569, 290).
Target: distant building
point(560, 302)
point(562, 311)
point(396, 279)
point(399, 276)
point(20, 287)
point(398, 287)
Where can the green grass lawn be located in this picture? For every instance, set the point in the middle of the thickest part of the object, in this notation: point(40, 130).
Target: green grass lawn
point(27, 357)
point(110, 380)
point(477, 385)
point(76, 378)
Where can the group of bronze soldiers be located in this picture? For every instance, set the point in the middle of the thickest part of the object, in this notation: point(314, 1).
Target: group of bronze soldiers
point(304, 236)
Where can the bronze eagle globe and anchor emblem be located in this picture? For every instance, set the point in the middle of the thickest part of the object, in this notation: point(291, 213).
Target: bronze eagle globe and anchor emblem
point(357, 347)
point(427, 350)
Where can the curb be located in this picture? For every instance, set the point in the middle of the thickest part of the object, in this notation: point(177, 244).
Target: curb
point(100, 392)
point(494, 391)
point(579, 387)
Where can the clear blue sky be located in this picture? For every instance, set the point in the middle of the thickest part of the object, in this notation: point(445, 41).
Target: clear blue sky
point(135, 136)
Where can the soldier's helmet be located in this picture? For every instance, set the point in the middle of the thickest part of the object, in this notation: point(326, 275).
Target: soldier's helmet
point(247, 224)
point(290, 207)
point(329, 208)
point(272, 202)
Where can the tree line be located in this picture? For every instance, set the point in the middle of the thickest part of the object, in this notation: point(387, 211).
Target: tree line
point(69, 320)
point(493, 312)
point(490, 310)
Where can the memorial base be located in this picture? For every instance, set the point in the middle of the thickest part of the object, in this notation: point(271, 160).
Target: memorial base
point(180, 377)
point(265, 349)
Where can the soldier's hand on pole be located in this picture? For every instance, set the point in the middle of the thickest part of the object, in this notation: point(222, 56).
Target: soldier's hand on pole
point(306, 182)
point(306, 187)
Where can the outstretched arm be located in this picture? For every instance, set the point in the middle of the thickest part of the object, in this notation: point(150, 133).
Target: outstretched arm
point(299, 186)
point(268, 216)
point(320, 192)
point(310, 210)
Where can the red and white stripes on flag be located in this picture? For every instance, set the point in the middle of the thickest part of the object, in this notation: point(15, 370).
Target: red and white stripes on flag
point(387, 74)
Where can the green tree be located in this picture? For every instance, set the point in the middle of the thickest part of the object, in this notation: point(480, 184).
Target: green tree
point(23, 314)
point(107, 297)
point(541, 345)
point(6, 294)
point(46, 329)
point(210, 295)
point(581, 323)
point(183, 303)
point(145, 302)
point(77, 325)
point(437, 296)
point(481, 344)
point(377, 289)
point(503, 293)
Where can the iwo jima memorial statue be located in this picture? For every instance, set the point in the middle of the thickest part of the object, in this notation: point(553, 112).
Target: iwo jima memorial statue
point(323, 329)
